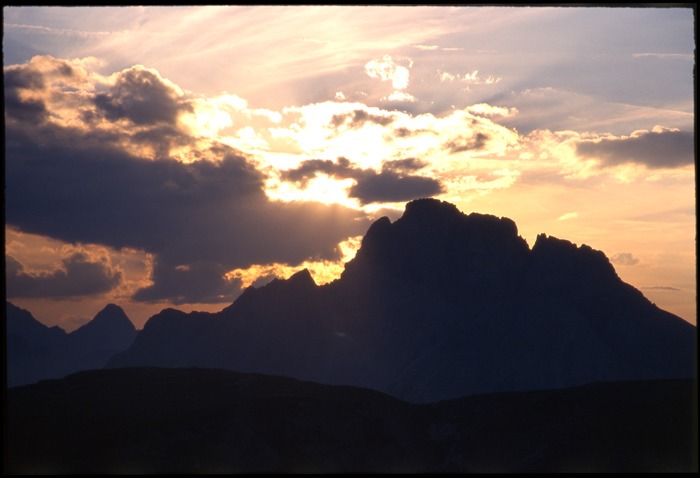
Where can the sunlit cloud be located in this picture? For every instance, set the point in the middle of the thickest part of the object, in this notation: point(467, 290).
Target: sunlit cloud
point(399, 97)
point(426, 47)
point(467, 78)
point(323, 272)
point(567, 216)
point(386, 69)
point(174, 131)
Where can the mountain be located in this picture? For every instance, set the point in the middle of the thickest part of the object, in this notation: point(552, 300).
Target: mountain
point(36, 352)
point(191, 421)
point(437, 305)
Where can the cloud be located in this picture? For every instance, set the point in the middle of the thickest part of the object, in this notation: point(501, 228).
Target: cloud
point(386, 69)
point(567, 216)
point(359, 118)
point(33, 29)
point(470, 78)
point(665, 56)
point(624, 259)
point(408, 164)
point(93, 182)
point(192, 283)
point(389, 185)
point(426, 47)
point(659, 148)
point(78, 277)
point(17, 82)
point(141, 96)
point(399, 97)
point(672, 289)
point(467, 143)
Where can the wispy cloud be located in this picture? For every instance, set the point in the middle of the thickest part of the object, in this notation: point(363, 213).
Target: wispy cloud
point(40, 29)
point(665, 56)
point(625, 259)
point(567, 216)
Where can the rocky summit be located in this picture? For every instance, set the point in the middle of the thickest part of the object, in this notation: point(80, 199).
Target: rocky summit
point(437, 305)
point(37, 352)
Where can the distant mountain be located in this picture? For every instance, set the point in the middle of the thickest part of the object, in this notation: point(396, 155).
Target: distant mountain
point(36, 352)
point(434, 306)
point(143, 421)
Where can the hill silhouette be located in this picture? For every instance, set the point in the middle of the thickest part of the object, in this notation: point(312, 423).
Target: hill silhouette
point(36, 352)
point(437, 305)
point(149, 420)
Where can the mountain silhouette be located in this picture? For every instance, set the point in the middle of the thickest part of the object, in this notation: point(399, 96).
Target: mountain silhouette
point(165, 421)
point(36, 352)
point(437, 305)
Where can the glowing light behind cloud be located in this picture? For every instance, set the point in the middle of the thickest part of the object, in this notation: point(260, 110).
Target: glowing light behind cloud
point(513, 111)
point(323, 272)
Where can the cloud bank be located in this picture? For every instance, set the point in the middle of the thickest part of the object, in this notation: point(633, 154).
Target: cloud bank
point(109, 176)
point(78, 277)
point(212, 190)
point(659, 148)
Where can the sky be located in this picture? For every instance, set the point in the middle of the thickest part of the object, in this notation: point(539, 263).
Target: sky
point(173, 156)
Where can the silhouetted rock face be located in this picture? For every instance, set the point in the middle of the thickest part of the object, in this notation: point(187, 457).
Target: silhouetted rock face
point(36, 352)
point(110, 326)
point(435, 243)
point(33, 349)
point(438, 305)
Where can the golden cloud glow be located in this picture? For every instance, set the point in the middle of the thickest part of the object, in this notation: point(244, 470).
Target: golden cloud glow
point(323, 272)
point(482, 164)
point(322, 188)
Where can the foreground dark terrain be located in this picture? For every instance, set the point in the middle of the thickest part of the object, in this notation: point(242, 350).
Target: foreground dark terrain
point(152, 420)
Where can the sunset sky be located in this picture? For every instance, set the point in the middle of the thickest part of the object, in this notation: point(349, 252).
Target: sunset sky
point(172, 156)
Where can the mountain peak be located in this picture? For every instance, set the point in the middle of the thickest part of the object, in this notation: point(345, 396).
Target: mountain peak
point(435, 241)
point(110, 323)
point(302, 278)
point(435, 305)
point(112, 313)
point(430, 207)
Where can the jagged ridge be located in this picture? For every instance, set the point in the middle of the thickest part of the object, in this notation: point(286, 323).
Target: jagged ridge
point(437, 305)
point(36, 352)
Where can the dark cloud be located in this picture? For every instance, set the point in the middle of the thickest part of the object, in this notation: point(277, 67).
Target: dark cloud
point(662, 149)
point(404, 132)
point(198, 219)
point(308, 169)
point(210, 210)
point(161, 138)
point(197, 282)
point(24, 109)
point(79, 277)
point(672, 289)
point(389, 185)
point(359, 118)
point(140, 96)
point(24, 78)
point(467, 143)
point(408, 164)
